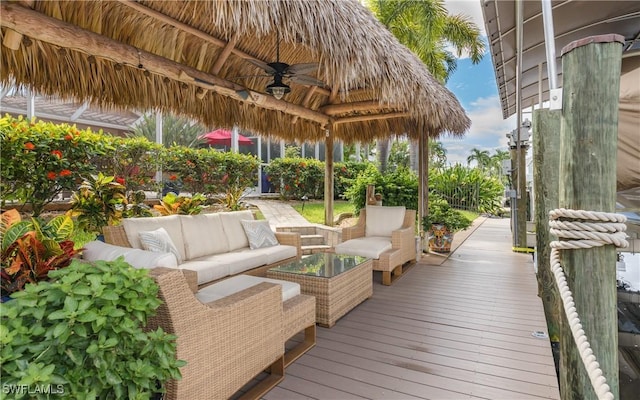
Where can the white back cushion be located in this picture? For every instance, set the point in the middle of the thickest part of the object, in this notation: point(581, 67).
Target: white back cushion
point(171, 223)
point(97, 250)
point(203, 235)
point(382, 220)
point(233, 229)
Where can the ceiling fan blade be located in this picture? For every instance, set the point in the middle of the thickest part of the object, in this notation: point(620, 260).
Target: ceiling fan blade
point(261, 64)
point(250, 76)
point(306, 80)
point(302, 68)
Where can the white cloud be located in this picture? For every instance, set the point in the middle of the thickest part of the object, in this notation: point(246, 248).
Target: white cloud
point(488, 130)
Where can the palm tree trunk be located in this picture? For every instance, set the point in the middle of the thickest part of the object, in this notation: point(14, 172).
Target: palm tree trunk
point(382, 150)
point(413, 154)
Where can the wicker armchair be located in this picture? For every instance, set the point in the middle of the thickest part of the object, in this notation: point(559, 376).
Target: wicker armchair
point(403, 245)
point(225, 343)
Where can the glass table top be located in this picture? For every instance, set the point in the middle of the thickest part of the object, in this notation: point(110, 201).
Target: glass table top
point(325, 265)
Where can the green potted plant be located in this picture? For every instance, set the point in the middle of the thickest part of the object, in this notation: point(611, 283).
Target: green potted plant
point(441, 223)
point(83, 335)
point(30, 249)
point(99, 201)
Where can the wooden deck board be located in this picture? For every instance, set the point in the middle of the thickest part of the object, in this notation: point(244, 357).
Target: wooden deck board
point(458, 330)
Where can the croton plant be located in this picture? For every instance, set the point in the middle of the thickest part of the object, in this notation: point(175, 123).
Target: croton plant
point(30, 249)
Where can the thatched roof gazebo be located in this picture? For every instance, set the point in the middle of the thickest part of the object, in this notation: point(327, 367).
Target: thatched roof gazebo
point(207, 60)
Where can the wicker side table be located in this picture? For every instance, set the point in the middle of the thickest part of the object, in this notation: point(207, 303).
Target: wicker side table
point(337, 289)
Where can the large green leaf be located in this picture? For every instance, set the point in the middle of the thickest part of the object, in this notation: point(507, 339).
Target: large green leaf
point(61, 227)
point(15, 232)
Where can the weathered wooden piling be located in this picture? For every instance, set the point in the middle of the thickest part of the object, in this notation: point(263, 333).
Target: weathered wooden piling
point(589, 135)
point(546, 165)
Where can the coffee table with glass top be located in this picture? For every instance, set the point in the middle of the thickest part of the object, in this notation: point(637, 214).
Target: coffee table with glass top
point(338, 282)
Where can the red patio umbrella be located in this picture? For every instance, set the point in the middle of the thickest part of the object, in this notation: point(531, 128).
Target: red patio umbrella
point(223, 137)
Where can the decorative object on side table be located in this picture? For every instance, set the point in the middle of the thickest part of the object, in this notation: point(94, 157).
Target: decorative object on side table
point(441, 223)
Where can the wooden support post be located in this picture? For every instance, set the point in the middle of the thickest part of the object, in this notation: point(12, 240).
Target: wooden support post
point(588, 143)
point(546, 164)
point(328, 178)
point(423, 176)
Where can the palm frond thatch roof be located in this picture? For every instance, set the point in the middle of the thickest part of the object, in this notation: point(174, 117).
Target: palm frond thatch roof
point(198, 58)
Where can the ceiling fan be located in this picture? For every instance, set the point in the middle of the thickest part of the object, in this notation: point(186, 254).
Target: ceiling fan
point(279, 71)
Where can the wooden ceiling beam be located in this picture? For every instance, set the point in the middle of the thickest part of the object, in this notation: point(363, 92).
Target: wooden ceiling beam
point(198, 33)
point(226, 52)
point(334, 109)
point(50, 30)
point(371, 117)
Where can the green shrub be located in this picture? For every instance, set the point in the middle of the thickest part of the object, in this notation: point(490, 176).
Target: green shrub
point(83, 333)
point(134, 159)
point(467, 188)
point(99, 201)
point(38, 160)
point(297, 177)
point(208, 170)
point(344, 175)
point(398, 187)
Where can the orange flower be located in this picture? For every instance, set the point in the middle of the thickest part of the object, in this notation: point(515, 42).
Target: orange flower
point(57, 153)
point(51, 175)
point(65, 172)
point(120, 180)
point(29, 146)
point(68, 137)
point(172, 177)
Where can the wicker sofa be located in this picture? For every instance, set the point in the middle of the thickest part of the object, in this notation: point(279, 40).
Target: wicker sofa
point(385, 234)
point(214, 245)
point(227, 342)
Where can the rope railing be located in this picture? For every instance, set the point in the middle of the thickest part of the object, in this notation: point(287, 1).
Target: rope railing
point(593, 229)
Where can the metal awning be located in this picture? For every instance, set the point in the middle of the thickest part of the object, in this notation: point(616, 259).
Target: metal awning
point(572, 20)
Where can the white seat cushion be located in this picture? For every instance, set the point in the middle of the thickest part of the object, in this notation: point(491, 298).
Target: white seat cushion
point(370, 247)
point(171, 223)
point(270, 255)
point(238, 261)
point(203, 235)
point(96, 250)
point(233, 229)
point(382, 220)
point(240, 282)
point(208, 269)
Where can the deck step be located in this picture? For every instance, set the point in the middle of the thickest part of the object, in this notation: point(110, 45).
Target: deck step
point(306, 250)
point(309, 240)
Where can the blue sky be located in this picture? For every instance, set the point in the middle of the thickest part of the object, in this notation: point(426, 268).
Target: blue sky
point(475, 87)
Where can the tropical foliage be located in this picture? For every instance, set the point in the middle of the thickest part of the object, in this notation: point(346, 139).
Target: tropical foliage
point(39, 160)
point(100, 201)
point(30, 249)
point(467, 188)
point(84, 334)
point(398, 188)
point(173, 204)
point(435, 36)
point(296, 177)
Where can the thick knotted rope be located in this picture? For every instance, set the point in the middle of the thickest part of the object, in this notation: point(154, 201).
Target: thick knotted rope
point(592, 229)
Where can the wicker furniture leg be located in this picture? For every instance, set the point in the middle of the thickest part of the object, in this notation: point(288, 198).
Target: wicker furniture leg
point(276, 375)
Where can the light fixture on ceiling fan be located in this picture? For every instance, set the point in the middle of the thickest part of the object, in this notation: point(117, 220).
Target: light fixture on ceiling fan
point(280, 70)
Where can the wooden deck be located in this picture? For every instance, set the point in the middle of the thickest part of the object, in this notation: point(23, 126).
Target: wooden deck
point(459, 330)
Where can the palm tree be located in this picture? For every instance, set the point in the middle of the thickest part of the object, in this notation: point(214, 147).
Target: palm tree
point(426, 28)
point(495, 165)
point(176, 130)
point(481, 157)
